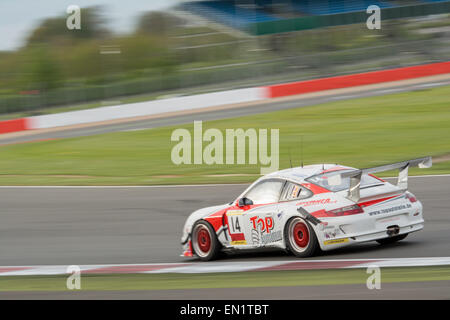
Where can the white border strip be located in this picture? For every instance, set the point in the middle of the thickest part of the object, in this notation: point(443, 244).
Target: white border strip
point(220, 267)
point(146, 108)
point(179, 185)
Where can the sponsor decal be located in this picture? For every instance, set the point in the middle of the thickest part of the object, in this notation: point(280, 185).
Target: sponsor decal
point(234, 212)
point(266, 224)
point(335, 241)
point(238, 242)
point(295, 192)
point(316, 202)
point(389, 210)
point(262, 233)
point(188, 251)
point(271, 237)
point(329, 234)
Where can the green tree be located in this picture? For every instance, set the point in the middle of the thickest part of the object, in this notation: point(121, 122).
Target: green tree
point(156, 23)
point(54, 30)
point(43, 69)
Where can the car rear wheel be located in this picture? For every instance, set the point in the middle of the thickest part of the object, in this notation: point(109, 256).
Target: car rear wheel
point(204, 241)
point(300, 238)
point(392, 239)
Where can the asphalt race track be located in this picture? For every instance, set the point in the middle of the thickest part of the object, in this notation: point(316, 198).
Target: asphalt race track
point(101, 225)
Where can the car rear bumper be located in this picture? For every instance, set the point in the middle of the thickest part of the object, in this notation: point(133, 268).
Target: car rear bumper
point(341, 232)
point(365, 237)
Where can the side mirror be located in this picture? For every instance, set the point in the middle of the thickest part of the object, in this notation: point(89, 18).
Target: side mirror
point(245, 202)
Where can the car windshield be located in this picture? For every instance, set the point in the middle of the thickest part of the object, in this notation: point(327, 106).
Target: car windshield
point(342, 184)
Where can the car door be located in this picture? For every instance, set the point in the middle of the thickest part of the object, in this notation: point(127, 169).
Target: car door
point(252, 225)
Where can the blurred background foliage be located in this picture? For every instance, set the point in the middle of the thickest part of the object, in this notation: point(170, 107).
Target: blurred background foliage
point(57, 66)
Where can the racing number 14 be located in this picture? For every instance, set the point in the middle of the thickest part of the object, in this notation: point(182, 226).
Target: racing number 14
point(234, 221)
point(235, 226)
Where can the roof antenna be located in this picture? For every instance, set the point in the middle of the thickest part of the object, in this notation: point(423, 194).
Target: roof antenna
point(301, 150)
point(290, 160)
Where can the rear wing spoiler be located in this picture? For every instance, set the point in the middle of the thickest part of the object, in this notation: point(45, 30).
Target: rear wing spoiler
point(402, 181)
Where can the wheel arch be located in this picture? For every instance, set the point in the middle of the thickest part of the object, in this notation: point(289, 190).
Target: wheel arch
point(310, 226)
point(294, 214)
point(214, 246)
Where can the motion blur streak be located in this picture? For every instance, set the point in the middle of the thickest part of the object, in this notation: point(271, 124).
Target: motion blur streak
point(65, 226)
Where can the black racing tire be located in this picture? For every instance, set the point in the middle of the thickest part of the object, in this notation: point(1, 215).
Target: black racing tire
point(392, 239)
point(205, 244)
point(300, 238)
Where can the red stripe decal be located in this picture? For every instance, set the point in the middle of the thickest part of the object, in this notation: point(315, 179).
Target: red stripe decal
point(315, 188)
point(372, 202)
point(336, 168)
point(237, 237)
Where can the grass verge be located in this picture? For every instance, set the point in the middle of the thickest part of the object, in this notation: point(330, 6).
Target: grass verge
point(361, 133)
point(224, 280)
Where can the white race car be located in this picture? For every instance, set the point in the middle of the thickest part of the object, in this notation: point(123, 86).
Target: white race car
point(309, 208)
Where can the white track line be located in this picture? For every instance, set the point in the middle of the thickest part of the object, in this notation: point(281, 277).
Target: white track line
point(179, 185)
point(220, 267)
point(123, 187)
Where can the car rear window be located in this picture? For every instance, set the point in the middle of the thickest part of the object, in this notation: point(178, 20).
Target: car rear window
point(293, 191)
point(322, 181)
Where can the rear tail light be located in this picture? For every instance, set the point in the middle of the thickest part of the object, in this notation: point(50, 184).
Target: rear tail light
point(410, 197)
point(345, 211)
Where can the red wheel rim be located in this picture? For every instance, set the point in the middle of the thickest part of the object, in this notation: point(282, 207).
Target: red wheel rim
point(301, 234)
point(204, 240)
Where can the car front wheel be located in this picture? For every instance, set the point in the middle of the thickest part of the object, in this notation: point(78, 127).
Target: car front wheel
point(204, 241)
